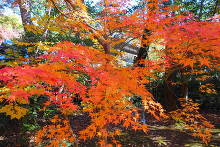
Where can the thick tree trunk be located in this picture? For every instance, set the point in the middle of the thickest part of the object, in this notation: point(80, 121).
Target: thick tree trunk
point(185, 86)
point(106, 46)
point(169, 101)
point(144, 49)
point(24, 6)
point(216, 8)
point(185, 91)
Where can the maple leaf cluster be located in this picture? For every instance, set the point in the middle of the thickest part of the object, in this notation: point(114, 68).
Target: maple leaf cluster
point(193, 120)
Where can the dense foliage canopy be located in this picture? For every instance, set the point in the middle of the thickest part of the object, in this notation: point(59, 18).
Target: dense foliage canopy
point(67, 64)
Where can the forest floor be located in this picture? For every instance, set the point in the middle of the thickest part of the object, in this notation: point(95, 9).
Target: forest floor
point(160, 134)
point(172, 135)
point(167, 134)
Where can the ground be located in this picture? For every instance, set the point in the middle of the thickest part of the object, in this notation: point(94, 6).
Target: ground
point(161, 134)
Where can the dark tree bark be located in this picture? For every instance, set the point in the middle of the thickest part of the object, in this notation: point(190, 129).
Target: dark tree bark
point(24, 6)
point(144, 49)
point(216, 7)
point(185, 85)
point(169, 101)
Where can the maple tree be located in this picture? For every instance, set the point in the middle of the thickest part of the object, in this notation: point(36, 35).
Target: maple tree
point(68, 72)
point(194, 51)
point(106, 99)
